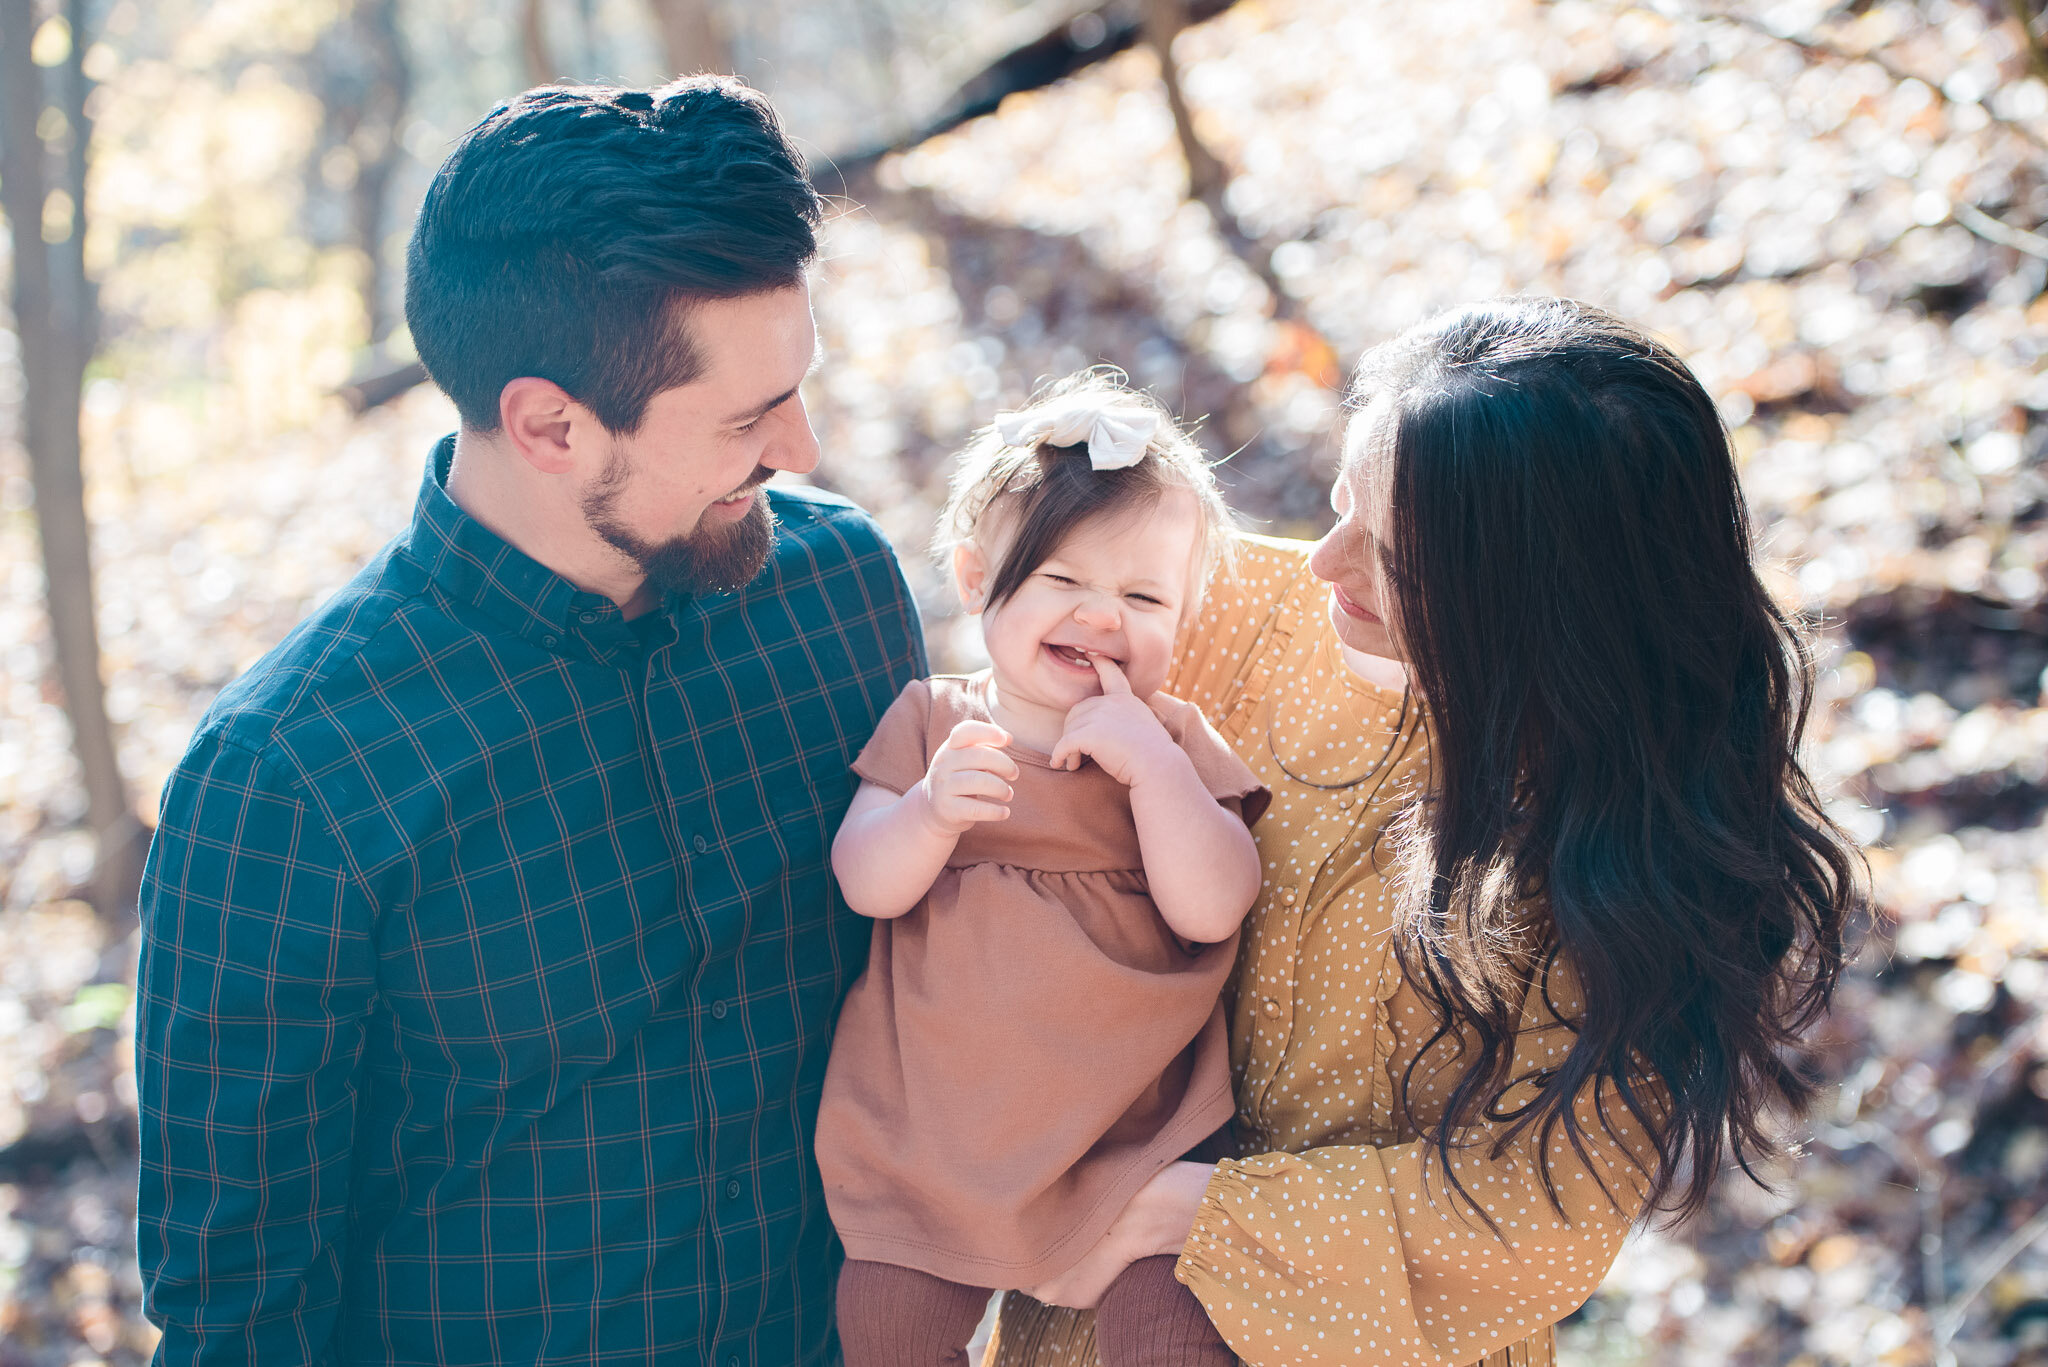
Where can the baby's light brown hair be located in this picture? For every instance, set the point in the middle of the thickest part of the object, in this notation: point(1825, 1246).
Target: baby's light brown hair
point(1041, 492)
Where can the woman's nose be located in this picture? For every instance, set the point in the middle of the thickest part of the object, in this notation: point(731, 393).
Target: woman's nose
point(1326, 561)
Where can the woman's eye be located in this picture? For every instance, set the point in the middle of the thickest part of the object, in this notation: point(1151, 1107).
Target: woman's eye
point(1061, 580)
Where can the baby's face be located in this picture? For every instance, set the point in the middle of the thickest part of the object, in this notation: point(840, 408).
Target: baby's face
point(1117, 587)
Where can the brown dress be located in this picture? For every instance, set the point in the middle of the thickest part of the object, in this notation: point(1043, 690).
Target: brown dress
point(1031, 1043)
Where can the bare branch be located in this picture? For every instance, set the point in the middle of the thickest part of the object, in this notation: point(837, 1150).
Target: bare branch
point(1994, 230)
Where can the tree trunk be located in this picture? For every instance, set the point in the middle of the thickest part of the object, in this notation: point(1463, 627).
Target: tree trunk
point(374, 140)
point(693, 36)
point(1164, 19)
point(533, 41)
point(1207, 175)
point(56, 321)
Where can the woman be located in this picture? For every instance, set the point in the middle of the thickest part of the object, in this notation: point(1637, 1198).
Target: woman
point(1507, 989)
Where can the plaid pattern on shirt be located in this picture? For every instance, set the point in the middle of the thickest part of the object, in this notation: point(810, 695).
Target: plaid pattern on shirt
point(490, 960)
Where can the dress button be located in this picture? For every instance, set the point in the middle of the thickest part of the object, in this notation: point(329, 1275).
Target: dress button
point(732, 1191)
point(699, 844)
point(1287, 897)
point(718, 1011)
point(1271, 1007)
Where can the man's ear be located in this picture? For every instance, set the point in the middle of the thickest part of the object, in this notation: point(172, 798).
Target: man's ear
point(540, 422)
point(970, 575)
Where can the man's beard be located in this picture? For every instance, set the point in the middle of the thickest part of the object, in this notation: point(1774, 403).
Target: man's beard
point(711, 559)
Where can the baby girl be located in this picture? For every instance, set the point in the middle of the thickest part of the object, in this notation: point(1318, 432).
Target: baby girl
point(1057, 859)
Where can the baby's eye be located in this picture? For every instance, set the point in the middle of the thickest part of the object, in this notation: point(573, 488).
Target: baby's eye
point(1145, 598)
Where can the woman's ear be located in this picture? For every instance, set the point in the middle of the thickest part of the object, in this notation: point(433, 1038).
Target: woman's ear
point(970, 576)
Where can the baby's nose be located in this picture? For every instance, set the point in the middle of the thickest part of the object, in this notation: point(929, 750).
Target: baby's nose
point(1098, 610)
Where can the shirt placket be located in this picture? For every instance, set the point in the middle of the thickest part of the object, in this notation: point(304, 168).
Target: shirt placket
point(710, 886)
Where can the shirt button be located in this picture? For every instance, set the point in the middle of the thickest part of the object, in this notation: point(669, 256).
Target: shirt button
point(1271, 1007)
point(718, 1011)
point(588, 617)
point(732, 1191)
point(699, 844)
point(732, 1360)
point(549, 642)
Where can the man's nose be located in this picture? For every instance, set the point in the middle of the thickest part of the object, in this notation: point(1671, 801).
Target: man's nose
point(794, 446)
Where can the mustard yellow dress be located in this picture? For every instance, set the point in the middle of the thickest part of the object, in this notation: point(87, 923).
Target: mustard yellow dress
point(1335, 1239)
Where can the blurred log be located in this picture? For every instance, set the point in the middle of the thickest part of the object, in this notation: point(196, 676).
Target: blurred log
point(45, 1156)
point(693, 36)
point(57, 321)
point(372, 391)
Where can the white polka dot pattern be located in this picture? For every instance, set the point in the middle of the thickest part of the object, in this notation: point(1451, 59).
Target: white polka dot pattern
point(1337, 1240)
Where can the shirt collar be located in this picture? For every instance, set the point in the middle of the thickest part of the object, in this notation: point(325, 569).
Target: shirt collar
point(475, 566)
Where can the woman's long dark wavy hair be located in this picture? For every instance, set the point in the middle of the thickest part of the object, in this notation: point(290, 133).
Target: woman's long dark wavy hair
point(1617, 707)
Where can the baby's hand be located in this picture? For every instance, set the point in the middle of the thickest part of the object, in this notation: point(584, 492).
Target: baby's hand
point(1117, 729)
point(969, 778)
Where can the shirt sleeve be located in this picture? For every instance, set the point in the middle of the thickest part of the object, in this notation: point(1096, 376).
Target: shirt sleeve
point(257, 972)
point(898, 753)
point(1351, 1253)
point(1223, 774)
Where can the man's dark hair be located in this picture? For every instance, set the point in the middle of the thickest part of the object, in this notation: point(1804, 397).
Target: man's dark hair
point(569, 231)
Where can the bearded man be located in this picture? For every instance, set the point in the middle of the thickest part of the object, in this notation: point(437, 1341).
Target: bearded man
point(490, 955)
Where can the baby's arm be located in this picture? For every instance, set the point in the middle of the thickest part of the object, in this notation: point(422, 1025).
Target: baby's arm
point(1200, 862)
point(891, 847)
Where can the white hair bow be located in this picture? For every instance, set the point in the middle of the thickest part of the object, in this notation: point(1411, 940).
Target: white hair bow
point(1116, 432)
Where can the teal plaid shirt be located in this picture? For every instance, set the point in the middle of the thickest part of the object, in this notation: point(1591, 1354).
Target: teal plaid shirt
point(490, 959)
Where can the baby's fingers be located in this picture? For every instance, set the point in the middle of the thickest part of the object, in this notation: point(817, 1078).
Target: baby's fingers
point(984, 759)
point(977, 783)
point(979, 809)
point(968, 734)
point(1111, 674)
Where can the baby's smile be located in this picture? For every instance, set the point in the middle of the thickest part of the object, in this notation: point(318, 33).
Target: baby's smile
point(1075, 657)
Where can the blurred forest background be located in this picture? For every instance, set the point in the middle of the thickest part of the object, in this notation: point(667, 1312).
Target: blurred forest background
point(1834, 210)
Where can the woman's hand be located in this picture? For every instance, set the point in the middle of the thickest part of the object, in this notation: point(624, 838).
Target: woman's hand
point(1156, 1220)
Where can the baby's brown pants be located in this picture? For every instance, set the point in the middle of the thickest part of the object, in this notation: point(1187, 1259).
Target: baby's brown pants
point(900, 1317)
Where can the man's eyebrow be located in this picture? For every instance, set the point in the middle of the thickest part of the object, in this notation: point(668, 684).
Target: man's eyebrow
point(762, 410)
